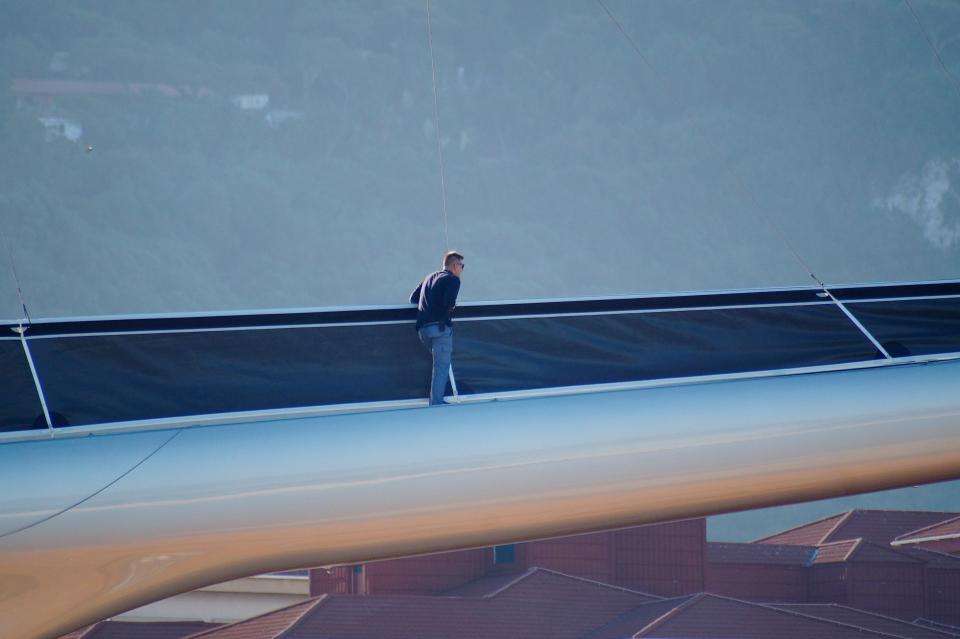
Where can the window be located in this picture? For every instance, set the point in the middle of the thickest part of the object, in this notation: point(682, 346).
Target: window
point(506, 554)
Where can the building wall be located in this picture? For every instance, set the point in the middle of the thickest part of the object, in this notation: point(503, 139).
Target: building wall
point(430, 574)
point(666, 560)
point(765, 583)
point(827, 583)
point(589, 556)
point(943, 595)
point(663, 559)
point(331, 580)
point(894, 589)
point(669, 560)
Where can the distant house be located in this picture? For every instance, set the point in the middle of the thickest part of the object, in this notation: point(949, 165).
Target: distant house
point(57, 127)
point(277, 117)
point(546, 604)
point(251, 101)
point(837, 577)
point(943, 536)
point(31, 88)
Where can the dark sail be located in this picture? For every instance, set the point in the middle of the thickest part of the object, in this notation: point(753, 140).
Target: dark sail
point(127, 369)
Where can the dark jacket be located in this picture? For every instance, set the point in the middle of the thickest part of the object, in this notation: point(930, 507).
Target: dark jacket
point(435, 297)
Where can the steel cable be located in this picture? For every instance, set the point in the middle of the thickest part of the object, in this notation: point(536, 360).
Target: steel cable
point(748, 194)
point(436, 120)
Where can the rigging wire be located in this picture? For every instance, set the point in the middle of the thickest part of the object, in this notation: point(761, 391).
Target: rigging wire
point(436, 120)
point(756, 203)
point(16, 279)
point(936, 52)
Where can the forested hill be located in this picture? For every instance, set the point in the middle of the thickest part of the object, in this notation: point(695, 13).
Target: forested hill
point(180, 156)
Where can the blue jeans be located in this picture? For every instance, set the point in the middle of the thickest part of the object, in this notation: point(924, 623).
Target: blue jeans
point(438, 339)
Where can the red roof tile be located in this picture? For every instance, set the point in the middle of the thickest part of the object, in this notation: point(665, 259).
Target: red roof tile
point(734, 553)
point(876, 526)
point(713, 617)
point(811, 534)
point(863, 619)
point(263, 626)
point(859, 551)
point(836, 551)
point(949, 529)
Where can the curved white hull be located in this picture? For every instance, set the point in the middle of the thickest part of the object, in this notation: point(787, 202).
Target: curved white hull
point(207, 504)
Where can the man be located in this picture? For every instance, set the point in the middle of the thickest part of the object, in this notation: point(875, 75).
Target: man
point(436, 297)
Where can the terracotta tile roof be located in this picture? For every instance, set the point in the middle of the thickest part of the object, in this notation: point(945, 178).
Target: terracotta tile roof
point(810, 534)
point(759, 553)
point(949, 529)
point(537, 603)
point(859, 551)
point(264, 626)
point(713, 617)
point(876, 526)
point(836, 551)
point(863, 619)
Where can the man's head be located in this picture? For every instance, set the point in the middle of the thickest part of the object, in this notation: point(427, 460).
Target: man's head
point(453, 262)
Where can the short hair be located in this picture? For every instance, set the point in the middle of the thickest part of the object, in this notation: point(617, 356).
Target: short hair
point(450, 257)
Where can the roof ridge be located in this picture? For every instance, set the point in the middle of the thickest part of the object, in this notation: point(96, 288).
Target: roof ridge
point(633, 610)
point(236, 623)
point(526, 573)
point(669, 614)
point(896, 551)
point(89, 629)
point(821, 619)
point(907, 535)
point(800, 614)
point(939, 553)
point(798, 527)
point(877, 614)
point(905, 510)
point(307, 610)
point(857, 545)
point(596, 582)
point(927, 622)
point(835, 526)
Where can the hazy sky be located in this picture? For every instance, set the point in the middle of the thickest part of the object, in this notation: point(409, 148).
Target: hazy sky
point(287, 156)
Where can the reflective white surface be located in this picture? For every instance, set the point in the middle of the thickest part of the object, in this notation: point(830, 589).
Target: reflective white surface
point(81, 468)
point(221, 502)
